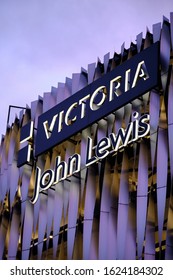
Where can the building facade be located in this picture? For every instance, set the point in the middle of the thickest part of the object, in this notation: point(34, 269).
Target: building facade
point(86, 197)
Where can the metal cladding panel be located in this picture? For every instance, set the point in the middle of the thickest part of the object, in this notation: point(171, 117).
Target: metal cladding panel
point(119, 207)
point(90, 200)
point(27, 232)
point(170, 121)
point(162, 173)
point(154, 122)
point(14, 233)
point(105, 212)
point(57, 215)
point(123, 208)
point(150, 240)
point(142, 197)
point(72, 215)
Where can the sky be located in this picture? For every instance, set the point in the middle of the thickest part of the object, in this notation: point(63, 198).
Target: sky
point(44, 41)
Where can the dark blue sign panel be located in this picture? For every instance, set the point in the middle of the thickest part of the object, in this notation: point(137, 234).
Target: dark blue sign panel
point(115, 89)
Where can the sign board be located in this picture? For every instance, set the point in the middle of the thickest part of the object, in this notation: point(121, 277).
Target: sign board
point(104, 96)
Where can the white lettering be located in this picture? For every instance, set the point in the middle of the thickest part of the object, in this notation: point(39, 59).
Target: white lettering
point(60, 123)
point(140, 73)
point(83, 105)
point(136, 129)
point(67, 120)
point(89, 159)
point(114, 86)
point(116, 89)
point(48, 129)
point(99, 90)
point(127, 80)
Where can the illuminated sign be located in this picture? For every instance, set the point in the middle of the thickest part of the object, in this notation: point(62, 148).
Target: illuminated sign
point(104, 96)
point(115, 89)
point(135, 130)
